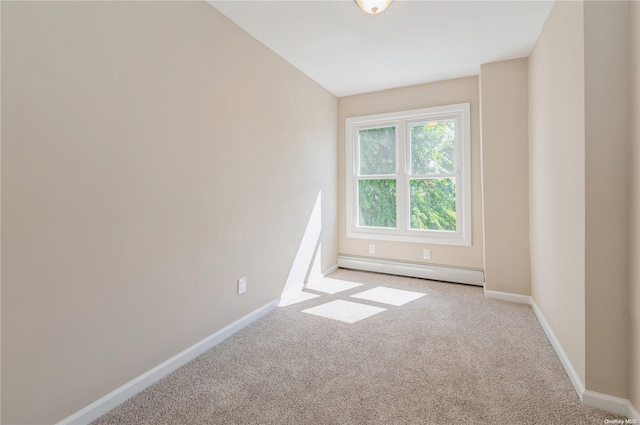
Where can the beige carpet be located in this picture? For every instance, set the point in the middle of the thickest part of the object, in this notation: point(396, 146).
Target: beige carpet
point(448, 357)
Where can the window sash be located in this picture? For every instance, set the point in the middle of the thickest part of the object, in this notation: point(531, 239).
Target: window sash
point(402, 122)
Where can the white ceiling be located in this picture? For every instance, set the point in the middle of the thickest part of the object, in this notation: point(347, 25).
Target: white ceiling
point(348, 51)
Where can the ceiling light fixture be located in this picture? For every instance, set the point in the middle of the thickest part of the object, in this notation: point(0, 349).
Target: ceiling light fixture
point(373, 6)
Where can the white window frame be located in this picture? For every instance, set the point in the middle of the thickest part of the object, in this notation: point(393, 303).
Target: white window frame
point(460, 113)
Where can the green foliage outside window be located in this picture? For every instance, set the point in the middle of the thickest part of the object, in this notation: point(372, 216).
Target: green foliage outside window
point(432, 200)
point(433, 204)
point(378, 151)
point(377, 201)
point(432, 148)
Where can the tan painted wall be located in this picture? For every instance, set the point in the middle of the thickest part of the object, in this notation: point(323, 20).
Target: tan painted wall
point(153, 153)
point(557, 177)
point(504, 118)
point(634, 216)
point(406, 98)
point(607, 151)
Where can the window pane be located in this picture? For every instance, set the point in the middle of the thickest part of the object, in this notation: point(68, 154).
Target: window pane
point(377, 151)
point(432, 147)
point(433, 204)
point(377, 203)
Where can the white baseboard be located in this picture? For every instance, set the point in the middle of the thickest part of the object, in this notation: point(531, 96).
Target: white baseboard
point(506, 296)
point(617, 405)
point(98, 408)
point(564, 359)
point(131, 388)
point(423, 271)
point(330, 270)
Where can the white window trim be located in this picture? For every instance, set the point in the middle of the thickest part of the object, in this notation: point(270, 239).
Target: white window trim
point(401, 120)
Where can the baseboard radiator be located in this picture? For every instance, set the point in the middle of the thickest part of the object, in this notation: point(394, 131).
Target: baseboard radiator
point(420, 270)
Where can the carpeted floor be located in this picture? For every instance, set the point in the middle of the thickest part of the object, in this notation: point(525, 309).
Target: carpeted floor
point(448, 357)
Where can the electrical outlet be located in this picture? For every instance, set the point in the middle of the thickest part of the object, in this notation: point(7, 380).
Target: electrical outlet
point(426, 254)
point(242, 285)
point(372, 249)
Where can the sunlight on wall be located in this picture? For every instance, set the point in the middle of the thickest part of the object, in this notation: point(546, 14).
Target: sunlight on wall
point(315, 272)
point(304, 260)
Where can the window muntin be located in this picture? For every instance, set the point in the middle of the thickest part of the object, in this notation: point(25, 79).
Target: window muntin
point(408, 176)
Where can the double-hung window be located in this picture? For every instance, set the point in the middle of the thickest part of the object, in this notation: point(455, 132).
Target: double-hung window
point(408, 176)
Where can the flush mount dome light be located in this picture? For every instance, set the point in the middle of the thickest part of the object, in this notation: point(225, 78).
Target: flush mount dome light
point(373, 6)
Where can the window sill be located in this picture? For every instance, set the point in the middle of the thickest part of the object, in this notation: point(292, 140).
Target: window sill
point(452, 239)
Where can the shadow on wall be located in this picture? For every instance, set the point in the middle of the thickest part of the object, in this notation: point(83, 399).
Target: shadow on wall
point(307, 264)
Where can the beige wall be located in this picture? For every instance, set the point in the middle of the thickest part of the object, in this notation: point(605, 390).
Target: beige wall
point(153, 153)
point(607, 149)
point(557, 177)
point(579, 179)
point(504, 125)
point(414, 97)
point(634, 239)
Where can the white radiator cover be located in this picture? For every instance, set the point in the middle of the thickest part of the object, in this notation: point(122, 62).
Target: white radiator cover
point(420, 270)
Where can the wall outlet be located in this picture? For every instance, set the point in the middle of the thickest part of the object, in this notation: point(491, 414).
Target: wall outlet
point(372, 249)
point(426, 254)
point(242, 285)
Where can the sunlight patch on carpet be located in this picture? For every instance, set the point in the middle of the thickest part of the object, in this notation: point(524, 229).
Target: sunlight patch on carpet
point(390, 296)
point(331, 286)
point(295, 298)
point(344, 311)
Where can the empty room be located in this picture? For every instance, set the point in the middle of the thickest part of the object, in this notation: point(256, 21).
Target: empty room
point(320, 212)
